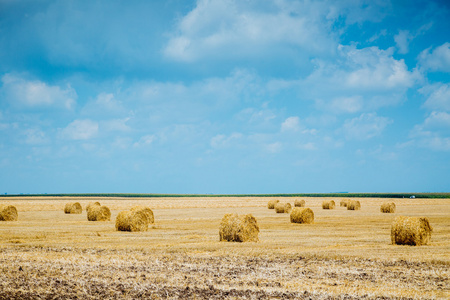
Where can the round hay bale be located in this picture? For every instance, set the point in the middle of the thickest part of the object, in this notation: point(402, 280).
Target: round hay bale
point(234, 228)
point(132, 220)
point(98, 213)
point(353, 205)
point(414, 231)
point(328, 204)
point(272, 203)
point(344, 202)
point(387, 207)
point(303, 215)
point(299, 203)
point(91, 204)
point(8, 213)
point(146, 211)
point(73, 208)
point(283, 208)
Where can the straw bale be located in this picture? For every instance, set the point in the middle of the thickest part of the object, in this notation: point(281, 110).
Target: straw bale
point(353, 205)
point(234, 228)
point(98, 213)
point(302, 215)
point(328, 204)
point(414, 231)
point(91, 204)
point(146, 211)
point(272, 203)
point(8, 213)
point(132, 220)
point(299, 203)
point(387, 207)
point(344, 202)
point(283, 208)
point(73, 208)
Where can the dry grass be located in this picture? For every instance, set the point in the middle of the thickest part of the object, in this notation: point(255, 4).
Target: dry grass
point(180, 255)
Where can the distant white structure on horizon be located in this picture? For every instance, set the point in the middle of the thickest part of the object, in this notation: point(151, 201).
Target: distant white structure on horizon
point(412, 197)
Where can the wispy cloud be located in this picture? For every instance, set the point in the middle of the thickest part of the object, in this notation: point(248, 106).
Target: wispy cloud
point(24, 93)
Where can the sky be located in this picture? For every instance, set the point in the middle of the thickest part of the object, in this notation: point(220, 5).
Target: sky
point(224, 97)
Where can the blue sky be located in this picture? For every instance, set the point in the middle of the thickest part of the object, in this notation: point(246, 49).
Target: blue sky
point(224, 96)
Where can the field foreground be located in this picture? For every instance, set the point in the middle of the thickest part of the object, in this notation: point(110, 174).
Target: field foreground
point(344, 254)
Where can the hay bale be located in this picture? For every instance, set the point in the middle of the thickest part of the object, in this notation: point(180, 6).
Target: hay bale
point(328, 204)
point(303, 215)
point(8, 213)
point(387, 207)
point(146, 211)
point(132, 220)
point(353, 205)
point(283, 208)
point(98, 213)
point(234, 228)
point(272, 203)
point(73, 208)
point(91, 204)
point(344, 202)
point(414, 231)
point(299, 203)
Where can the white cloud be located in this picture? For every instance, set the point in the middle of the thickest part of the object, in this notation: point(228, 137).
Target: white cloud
point(437, 59)
point(35, 136)
point(274, 147)
point(358, 80)
point(104, 103)
point(438, 96)
point(291, 124)
point(225, 28)
point(433, 133)
point(80, 130)
point(116, 125)
point(34, 93)
point(350, 104)
point(221, 140)
point(145, 140)
point(402, 39)
point(366, 126)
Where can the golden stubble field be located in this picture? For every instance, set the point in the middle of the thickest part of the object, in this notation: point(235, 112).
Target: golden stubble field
point(344, 254)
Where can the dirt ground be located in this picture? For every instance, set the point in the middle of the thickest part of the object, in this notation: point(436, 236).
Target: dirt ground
point(47, 254)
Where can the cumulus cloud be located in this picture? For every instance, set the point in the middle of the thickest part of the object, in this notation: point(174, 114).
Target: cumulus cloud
point(366, 126)
point(105, 103)
point(21, 92)
point(236, 28)
point(402, 40)
point(359, 80)
point(434, 132)
point(145, 140)
point(35, 136)
point(438, 96)
point(291, 124)
point(222, 140)
point(80, 130)
point(437, 59)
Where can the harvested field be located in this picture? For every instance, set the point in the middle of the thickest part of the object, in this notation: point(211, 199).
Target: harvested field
point(50, 255)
